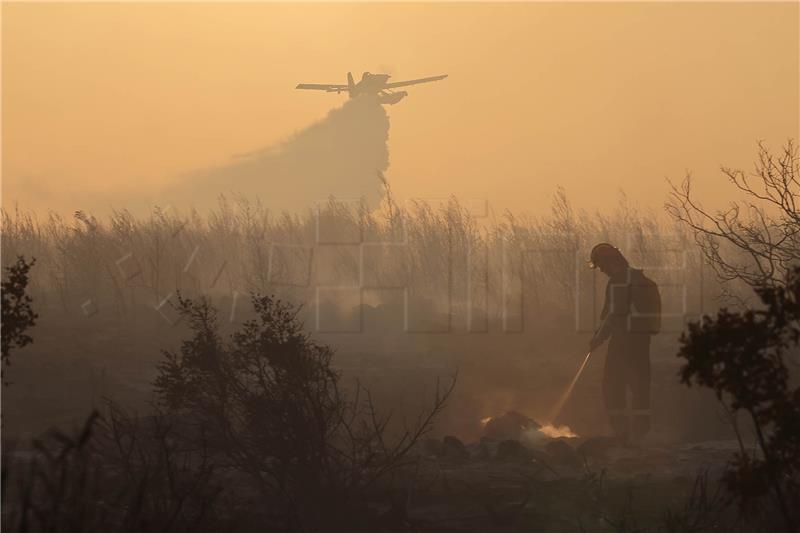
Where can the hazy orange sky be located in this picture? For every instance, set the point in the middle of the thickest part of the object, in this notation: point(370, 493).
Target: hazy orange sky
point(99, 100)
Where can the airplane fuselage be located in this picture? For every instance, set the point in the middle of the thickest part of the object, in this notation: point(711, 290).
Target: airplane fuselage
point(375, 85)
point(371, 85)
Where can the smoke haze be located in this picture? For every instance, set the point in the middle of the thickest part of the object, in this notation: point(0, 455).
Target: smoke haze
point(340, 156)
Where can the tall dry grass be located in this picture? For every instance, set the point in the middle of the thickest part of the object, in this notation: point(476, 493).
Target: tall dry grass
point(471, 264)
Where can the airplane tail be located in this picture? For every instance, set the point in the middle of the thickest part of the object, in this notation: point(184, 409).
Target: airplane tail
point(351, 84)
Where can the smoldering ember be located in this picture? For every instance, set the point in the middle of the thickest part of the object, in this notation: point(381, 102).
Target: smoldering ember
point(400, 267)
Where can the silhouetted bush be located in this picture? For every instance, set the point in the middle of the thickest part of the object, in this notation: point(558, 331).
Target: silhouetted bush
point(17, 313)
point(262, 412)
point(272, 408)
point(744, 358)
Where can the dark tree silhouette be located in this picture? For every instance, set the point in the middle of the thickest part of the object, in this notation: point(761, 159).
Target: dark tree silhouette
point(744, 358)
point(17, 313)
point(270, 403)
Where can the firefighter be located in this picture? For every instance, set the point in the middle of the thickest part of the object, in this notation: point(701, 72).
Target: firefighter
point(631, 316)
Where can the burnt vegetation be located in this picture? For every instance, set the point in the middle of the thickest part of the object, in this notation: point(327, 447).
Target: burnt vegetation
point(252, 426)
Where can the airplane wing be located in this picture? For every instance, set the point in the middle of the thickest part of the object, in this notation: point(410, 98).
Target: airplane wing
point(331, 88)
point(414, 82)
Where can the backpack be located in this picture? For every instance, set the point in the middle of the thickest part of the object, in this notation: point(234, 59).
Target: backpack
point(645, 312)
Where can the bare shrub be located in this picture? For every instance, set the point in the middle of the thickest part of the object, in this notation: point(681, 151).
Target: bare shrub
point(756, 240)
point(118, 473)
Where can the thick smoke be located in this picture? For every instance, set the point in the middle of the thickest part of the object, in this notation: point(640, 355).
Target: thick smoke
point(340, 156)
point(343, 155)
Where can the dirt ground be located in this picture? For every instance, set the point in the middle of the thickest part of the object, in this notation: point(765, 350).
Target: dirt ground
point(648, 488)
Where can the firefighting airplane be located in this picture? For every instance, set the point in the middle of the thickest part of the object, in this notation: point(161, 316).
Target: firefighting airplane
point(371, 84)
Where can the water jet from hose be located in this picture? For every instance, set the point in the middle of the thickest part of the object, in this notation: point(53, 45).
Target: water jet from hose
point(568, 392)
